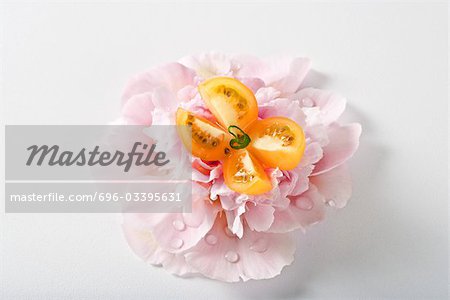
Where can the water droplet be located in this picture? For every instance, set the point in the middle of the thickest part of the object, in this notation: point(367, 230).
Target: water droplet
point(232, 256)
point(331, 203)
point(211, 239)
point(228, 232)
point(179, 225)
point(260, 245)
point(304, 203)
point(177, 243)
point(308, 102)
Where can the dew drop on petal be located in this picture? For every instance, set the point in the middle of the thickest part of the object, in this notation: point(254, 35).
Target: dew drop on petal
point(179, 225)
point(232, 256)
point(177, 243)
point(260, 245)
point(211, 239)
point(304, 203)
point(308, 102)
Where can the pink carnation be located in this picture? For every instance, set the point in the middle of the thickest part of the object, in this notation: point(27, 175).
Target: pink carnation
point(242, 236)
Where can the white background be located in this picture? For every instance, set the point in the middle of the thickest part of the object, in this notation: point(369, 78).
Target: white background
point(67, 64)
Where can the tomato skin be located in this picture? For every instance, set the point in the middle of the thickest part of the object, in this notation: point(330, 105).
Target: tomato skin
point(230, 101)
point(277, 142)
point(204, 139)
point(244, 174)
point(244, 144)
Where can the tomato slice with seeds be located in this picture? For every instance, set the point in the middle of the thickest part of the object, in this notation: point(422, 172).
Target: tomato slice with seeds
point(277, 142)
point(203, 138)
point(244, 174)
point(230, 101)
point(244, 144)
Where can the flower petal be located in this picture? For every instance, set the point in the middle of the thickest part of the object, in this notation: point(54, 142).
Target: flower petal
point(256, 256)
point(335, 186)
point(283, 73)
point(283, 107)
point(303, 211)
point(343, 143)
point(141, 241)
point(331, 104)
point(259, 217)
point(138, 109)
point(210, 64)
point(177, 232)
point(172, 76)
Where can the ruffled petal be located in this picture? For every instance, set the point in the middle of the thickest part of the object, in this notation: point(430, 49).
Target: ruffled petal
point(210, 64)
point(256, 256)
point(343, 143)
point(282, 73)
point(283, 107)
point(335, 186)
point(253, 83)
point(266, 94)
point(142, 243)
point(303, 211)
point(331, 104)
point(172, 76)
point(259, 217)
point(177, 232)
point(138, 110)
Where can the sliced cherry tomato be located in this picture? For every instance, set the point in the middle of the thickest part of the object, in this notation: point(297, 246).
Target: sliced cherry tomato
point(277, 142)
point(230, 101)
point(204, 139)
point(244, 174)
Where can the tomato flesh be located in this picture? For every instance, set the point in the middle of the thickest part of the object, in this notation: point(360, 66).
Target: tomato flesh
point(277, 142)
point(244, 174)
point(230, 101)
point(244, 144)
point(204, 139)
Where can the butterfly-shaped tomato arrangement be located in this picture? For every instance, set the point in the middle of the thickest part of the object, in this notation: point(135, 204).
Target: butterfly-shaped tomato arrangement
point(244, 144)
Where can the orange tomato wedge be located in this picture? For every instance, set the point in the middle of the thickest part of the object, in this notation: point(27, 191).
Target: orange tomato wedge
point(244, 144)
point(277, 142)
point(203, 138)
point(230, 101)
point(244, 174)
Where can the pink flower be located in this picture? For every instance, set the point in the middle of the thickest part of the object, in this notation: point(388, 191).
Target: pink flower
point(242, 236)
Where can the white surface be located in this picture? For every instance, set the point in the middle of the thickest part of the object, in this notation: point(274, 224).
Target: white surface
point(67, 64)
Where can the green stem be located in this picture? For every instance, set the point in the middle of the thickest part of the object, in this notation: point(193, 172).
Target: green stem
point(241, 139)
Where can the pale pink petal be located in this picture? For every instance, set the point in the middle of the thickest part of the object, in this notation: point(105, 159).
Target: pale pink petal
point(141, 241)
point(313, 153)
point(165, 107)
point(331, 104)
point(253, 83)
point(283, 73)
point(259, 217)
point(294, 182)
point(303, 211)
point(172, 76)
point(283, 107)
point(256, 256)
point(335, 185)
point(138, 109)
point(197, 106)
point(343, 143)
point(267, 94)
point(229, 199)
point(210, 64)
point(198, 173)
point(178, 232)
point(234, 220)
